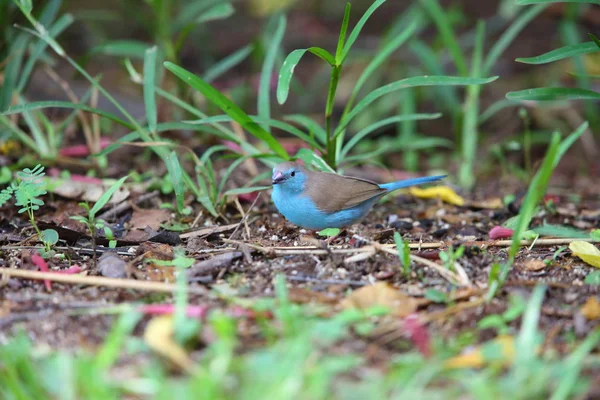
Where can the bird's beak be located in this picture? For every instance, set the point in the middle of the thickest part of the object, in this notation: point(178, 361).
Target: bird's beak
point(277, 177)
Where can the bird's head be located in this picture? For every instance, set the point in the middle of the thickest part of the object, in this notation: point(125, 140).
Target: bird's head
point(289, 176)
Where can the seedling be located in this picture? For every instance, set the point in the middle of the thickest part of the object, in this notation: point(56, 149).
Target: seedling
point(93, 223)
point(500, 321)
point(403, 253)
point(27, 189)
point(450, 257)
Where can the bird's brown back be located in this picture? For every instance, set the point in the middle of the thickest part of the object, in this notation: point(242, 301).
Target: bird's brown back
point(333, 192)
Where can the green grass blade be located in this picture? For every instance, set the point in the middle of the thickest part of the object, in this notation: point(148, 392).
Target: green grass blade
point(312, 126)
point(264, 90)
point(526, 2)
point(595, 40)
point(106, 196)
point(495, 108)
point(149, 86)
point(573, 365)
point(284, 126)
point(441, 20)
point(342, 38)
point(373, 127)
point(175, 175)
point(289, 64)
point(122, 48)
point(218, 11)
point(12, 69)
point(526, 342)
point(356, 31)
point(228, 107)
point(65, 104)
point(380, 57)
point(534, 195)
point(61, 24)
point(448, 95)
point(111, 349)
point(407, 83)
point(566, 144)
point(508, 36)
point(227, 63)
point(562, 53)
point(310, 158)
point(553, 93)
point(470, 133)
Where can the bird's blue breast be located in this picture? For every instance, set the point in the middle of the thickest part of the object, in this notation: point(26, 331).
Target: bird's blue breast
point(301, 210)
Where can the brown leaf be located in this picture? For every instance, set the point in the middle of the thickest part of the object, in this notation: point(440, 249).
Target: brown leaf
point(149, 218)
point(591, 308)
point(381, 294)
point(533, 265)
point(84, 191)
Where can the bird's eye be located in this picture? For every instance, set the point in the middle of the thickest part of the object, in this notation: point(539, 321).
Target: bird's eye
point(293, 173)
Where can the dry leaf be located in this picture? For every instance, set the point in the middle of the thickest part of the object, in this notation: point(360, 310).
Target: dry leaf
point(159, 337)
point(587, 252)
point(533, 265)
point(149, 218)
point(84, 191)
point(493, 203)
point(476, 359)
point(591, 309)
point(442, 192)
point(381, 294)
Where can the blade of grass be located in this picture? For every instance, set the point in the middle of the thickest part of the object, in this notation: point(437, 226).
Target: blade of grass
point(228, 107)
point(21, 108)
point(407, 83)
point(391, 120)
point(553, 93)
point(441, 20)
point(470, 133)
point(313, 127)
point(227, 63)
point(149, 87)
point(526, 2)
point(560, 54)
point(339, 58)
point(263, 121)
point(535, 193)
point(264, 90)
point(508, 36)
point(342, 37)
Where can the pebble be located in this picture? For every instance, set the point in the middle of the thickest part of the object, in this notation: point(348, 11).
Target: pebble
point(401, 225)
point(274, 238)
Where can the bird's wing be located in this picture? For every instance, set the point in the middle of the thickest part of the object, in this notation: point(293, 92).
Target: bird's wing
point(332, 192)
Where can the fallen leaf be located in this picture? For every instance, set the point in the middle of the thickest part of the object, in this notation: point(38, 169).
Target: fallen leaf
point(591, 309)
point(168, 309)
point(418, 334)
point(381, 294)
point(445, 193)
point(43, 266)
point(533, 265)
point(503, 348)
point(149, 218)
point(586, 251)
point(84, 191)
point(159, 337)
point(493, 203)
point(500, 232)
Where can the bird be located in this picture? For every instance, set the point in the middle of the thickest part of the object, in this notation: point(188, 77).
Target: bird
point(319, 200)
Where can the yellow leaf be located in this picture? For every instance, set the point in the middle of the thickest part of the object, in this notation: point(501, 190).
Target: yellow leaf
point(476, 357)
point(591, 309)
point(159, 337)
point(587, 252)
point(442, 192)
point(381, 294)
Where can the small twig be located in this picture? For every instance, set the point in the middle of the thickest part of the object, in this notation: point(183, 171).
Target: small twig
point(325, 281)
point(98, 281)
point(244, 219)
point(126, 205)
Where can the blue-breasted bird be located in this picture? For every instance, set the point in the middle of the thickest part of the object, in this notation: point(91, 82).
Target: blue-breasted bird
point(319, 200)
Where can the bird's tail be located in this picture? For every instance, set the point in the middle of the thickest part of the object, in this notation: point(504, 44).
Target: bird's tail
point(410, 182)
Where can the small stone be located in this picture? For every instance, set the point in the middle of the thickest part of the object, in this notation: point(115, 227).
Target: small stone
point(392, 218)
point(111, 265)
point(274, 238)
point(401, 225)
point(262, 228)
